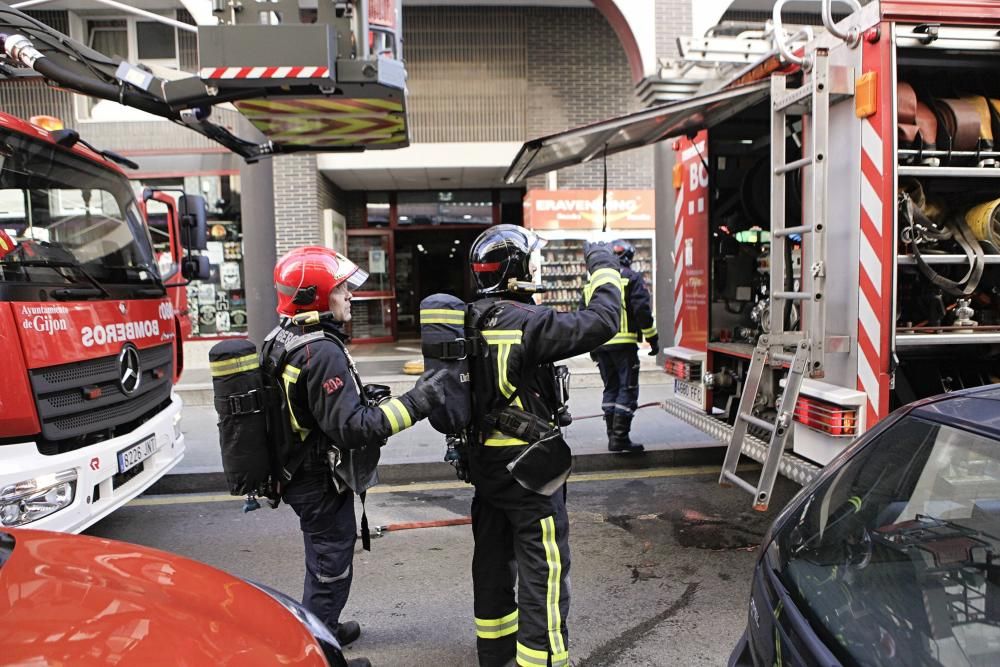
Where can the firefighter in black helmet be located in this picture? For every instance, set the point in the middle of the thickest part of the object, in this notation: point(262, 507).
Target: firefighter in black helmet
point(519, 513)
point(618, 359)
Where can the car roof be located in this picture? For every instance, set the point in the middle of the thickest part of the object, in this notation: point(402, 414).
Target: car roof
point(976, 410)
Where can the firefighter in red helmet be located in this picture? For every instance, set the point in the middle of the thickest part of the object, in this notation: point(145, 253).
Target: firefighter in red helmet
point(340, 423)
point(519, 519)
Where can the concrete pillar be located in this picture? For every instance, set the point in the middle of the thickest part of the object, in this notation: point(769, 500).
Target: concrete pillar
point(663, 175)
point(257, 198)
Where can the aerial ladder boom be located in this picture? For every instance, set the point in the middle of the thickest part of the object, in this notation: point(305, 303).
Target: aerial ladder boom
point(324, 79)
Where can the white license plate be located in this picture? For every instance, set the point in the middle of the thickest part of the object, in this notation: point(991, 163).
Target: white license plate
point(132, 456)
point(690, 391)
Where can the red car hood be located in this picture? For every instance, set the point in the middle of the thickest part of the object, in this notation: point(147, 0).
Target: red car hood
point(72, 600)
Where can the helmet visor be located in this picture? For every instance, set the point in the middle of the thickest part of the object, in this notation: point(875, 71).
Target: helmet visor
point(356, 279)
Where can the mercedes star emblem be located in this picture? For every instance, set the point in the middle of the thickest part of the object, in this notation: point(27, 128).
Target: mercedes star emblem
point(129, 373)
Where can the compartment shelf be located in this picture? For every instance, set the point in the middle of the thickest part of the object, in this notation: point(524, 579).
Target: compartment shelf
point(918, 340)
point(954, 172)
point(910, 260)
point(744, 350)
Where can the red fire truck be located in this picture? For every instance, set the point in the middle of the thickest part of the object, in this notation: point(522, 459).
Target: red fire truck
point(836, 230)
point(90, 331)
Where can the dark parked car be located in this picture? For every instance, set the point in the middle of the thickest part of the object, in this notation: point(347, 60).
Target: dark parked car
point(891, 556)
point(74, 600)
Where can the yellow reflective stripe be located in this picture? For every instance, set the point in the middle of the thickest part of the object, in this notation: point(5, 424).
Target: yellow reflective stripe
point(529, 657)
point(498, 439)
point(605, 273)
point(503, 355)
point(225, 367)
point(397, 414)
point(602, 277)
point(554, 560)
point(494, 628)
point(649, 333)
point(289, 377)
point(442, 316)
point(561, 660)
point(623, 321)
point(623, 338)
point(497, 336)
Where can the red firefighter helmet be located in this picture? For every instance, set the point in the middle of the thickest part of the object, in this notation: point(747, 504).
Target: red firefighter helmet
point(6, 243)
point(304, 278)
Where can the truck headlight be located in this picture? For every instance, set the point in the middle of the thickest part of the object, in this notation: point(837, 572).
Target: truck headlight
point(32, 499)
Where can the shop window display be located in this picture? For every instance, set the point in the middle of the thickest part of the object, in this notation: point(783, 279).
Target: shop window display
point(564, 271)
point(217, 305)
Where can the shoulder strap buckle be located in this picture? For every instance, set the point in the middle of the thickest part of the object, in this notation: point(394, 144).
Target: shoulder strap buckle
point(241, 404)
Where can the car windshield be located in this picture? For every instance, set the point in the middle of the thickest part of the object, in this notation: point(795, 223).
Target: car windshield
point(69, 218)
point(896, 558)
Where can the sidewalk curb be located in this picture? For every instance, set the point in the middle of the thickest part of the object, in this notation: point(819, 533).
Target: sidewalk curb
point(200, 393)
point(404, 473)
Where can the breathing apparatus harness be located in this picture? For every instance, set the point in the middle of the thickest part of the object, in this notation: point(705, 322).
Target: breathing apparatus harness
point(464, 428)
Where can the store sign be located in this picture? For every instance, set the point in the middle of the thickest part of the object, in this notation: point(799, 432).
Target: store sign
point(583, 209)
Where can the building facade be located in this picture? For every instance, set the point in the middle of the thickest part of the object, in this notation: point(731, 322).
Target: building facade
point(483, 78)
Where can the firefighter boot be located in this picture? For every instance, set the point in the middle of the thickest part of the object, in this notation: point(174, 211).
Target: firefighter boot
point(609, 420)
point(620, 442)
point(347, 632)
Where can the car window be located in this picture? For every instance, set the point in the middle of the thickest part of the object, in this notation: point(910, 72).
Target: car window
point(896, 557)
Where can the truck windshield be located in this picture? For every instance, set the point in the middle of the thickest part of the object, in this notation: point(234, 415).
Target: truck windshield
point(71, 220)
point(896, 558)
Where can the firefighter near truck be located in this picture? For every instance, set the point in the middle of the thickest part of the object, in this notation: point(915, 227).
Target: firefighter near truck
point(835, 238)
point(91, 329)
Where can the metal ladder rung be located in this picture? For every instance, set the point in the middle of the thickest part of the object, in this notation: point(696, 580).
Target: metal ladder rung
point(793, 97)
point(782, 357)
point(793, 296)
point(788, 231)
point(746, 486)
point(792, 166)
point(758, 422)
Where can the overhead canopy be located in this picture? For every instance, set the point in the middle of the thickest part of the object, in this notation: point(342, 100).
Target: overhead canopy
point(642, 128)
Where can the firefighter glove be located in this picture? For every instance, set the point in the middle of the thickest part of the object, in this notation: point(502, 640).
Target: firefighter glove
point(428, 392)
point(597, 253)
point(654, 345)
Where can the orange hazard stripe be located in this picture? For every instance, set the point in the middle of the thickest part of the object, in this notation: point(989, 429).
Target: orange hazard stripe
point(306, 126)
point(302, 106)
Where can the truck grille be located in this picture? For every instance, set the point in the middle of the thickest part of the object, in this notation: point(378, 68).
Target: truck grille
point(66, 412)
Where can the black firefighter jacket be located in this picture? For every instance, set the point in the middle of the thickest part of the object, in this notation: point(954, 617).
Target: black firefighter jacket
point(326, 404)
point(525, 339)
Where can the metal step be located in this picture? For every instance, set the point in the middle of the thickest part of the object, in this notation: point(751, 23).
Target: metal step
point(795, 468)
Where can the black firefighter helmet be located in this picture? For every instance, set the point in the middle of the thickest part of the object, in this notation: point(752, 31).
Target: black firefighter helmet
point(624, 250)
point(502, 253)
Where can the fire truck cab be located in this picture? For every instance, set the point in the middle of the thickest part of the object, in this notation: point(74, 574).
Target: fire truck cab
point(90, 331)
point(835, 229)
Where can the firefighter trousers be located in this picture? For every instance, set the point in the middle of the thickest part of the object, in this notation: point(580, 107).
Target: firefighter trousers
point(329, 532)
point(619, 367)
point(521, 538)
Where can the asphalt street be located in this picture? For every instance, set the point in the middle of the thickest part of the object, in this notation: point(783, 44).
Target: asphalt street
point(660, 571)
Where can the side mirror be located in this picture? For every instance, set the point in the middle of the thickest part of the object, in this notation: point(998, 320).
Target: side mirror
point(193, 216)
point(196, 267)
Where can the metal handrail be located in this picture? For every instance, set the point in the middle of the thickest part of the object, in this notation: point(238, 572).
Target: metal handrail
point(853, 35)
point(779, 37)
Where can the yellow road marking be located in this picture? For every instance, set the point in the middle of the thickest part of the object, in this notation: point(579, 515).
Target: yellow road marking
point(654, 473)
